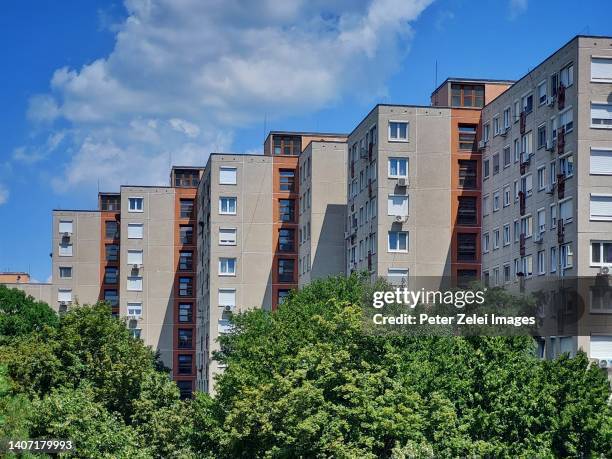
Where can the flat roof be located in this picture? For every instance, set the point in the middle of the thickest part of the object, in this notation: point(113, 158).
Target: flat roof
point(199, 168)
point(472, 80)
point(75, 210)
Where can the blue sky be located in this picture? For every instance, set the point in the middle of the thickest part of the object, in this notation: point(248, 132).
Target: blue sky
point(101, 93)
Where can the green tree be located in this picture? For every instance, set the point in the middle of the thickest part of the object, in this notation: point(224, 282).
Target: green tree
point(21, 314)
point(309, 380)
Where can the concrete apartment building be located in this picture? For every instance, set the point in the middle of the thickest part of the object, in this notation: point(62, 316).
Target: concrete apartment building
point(547, 186)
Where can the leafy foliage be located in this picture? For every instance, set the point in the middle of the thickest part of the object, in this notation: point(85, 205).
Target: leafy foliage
point(21, 314)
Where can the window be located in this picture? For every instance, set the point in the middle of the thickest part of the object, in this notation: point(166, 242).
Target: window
point(64, 295)
point(527, 184)
point(542, 136)
point(566, 75)
point(185, 364)
point(601, 162)
point(111, 229)
point(553, 259)
point(516, 190)
point(186, 234)
point(506, 273)
point(112, 252)
point(496, 163)
point(566, 165)
point(468, 174)
point(65, 249)
point(542, 93)
point(134, 309)
point(227, 266)
point(227, 236)
point(553, 216)
point(185, 338)
point(185, 261)
point(541, 262)
point(185, 286)
point(566, 210)
point(134, 284)
point(486, 132)
point(527, 144)
point(567, 256)
point(485, 168)
point(111, 297)
point(517, 231)
point(506, 153)
point(185, 312)
point(186, 206)
point(287, 180)
point(286, 240)
point(552, 176)
point(467, 213)
point(283, 293)
point(467, 95)
point(566, 119)
point(398, 167)
point(517, 111)
point(601, 253)
point(227, 175)
point(227, 206)
point(227, 297)
point(288, 146)
point(485, 242)
point(507, 118)
point(467, 137)
point(601, 115)
point(286, 270)
point(397, 205)
point(527, 226)
point(601, 207)
point(186, 178)
point(466, 247)
point(601, 69)
point(135, 204)
point(496, 130)
point(65, 272)
point(286, 210)
point(134, 257)
point(135, 230)
point(527, 267)
point(495, 201)
point(397, 276)
point(110, 202)
point(485, 205)
point(554, 84)
point(398, 131)
point(496, 239)
point(541, 178)
point(541, 221)
point(111, 275)
point(506, 196)
point(397, 241)
point(185, 389)
point(517, 150)
point(527, 103)
point(507, 234)
point(65, 226)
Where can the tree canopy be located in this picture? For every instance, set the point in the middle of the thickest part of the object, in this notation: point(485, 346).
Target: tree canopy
point(21, 314)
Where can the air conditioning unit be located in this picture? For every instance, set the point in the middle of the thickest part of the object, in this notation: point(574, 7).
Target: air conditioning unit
point(525, 158)
point(505, 131)
point(402, 182)
point(605, 363)
point(550, 189)
point(66, 235)
point(551, 101)
point(134, 317)
point(401, 218)
point(227, 308)
point(604, 270)
point(538, 238)
point(551, 145)
point(482, 144)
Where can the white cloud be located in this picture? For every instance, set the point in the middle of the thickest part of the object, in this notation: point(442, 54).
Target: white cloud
point(4, 194)
point(517, 7)
point(36, 153)
point(184, 75)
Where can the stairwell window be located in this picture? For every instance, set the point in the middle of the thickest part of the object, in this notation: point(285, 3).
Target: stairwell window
point(397, 241)
point(398, 131)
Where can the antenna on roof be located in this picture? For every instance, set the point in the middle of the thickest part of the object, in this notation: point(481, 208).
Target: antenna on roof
point(265, 126)
point(98, 185)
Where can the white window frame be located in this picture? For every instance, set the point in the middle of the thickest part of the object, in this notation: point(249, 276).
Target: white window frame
point(398, 139)
point(600, 149)
point(398, 276)
point(64, 295)
point(134, 226)
point(609, 63)
point(400, 213)
point(64, 228)
point(226, 291)
point(398, 159)
point(553, 259)
point(222, 261)
point(598, 264)
point(136, 307)
point(599, 218)
point(135, 287)
point(571, 218)
point(135, 199)
point(68, 251)
point(397, 250)
point(229, 198)
point(485, 243)
point(545, 85)
point(60, 272)
point(228, 169)
point(131, 253)
point(599, 126)
point(506, 232)
point(228, 241)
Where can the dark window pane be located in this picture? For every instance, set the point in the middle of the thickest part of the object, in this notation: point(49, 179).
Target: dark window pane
point(111, 297)
point(467, 174)
point(185, 338)
point(111, 229)
point(287, 179)
point(285, 270)
point(466, 247)
point(467, 211)
point(185, 286)
point(185, 389)
point(286, 210)
point(110, 275)
point(112, 252)
point(286, 238)
point(185, 364)
point(186, 234)
point(186, 208)
point(186, 261)
point(185, 312)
